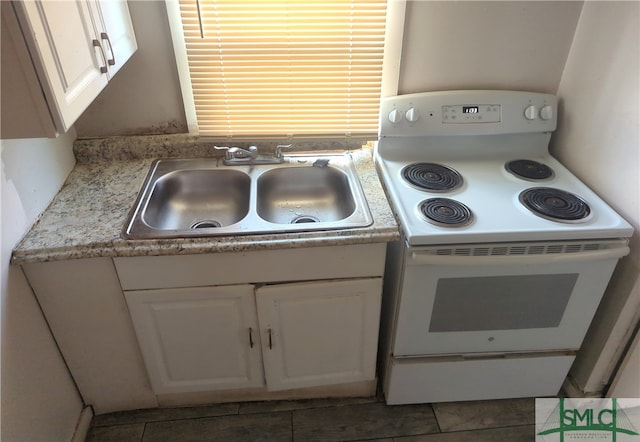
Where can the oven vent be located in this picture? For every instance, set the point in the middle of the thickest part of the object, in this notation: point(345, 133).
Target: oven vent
point(516, 249)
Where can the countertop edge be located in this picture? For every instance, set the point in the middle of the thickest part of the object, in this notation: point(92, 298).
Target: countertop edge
point(172, 247)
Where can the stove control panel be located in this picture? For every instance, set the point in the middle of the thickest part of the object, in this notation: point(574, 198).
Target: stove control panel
point(471, 112)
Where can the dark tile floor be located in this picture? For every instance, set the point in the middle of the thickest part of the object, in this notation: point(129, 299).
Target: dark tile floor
point(325, 420)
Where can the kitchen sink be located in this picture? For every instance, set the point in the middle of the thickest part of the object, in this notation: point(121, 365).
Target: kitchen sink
point(304, 195)
point(199, 197)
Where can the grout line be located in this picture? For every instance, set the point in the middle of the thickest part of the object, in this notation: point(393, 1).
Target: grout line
point(151, 419)
point(292, 432)
point(479, 430)
point(435, 417)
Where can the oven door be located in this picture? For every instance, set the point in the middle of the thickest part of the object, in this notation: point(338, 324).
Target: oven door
point(487, 304)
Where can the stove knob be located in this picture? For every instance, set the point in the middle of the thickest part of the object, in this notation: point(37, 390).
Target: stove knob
point(531, 112)
point(546, 113)
point(395, 116)
point(412, 115)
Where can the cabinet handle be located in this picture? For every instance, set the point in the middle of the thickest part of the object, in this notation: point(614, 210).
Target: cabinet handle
point(270, 341)
point(250, 337)
point(112, 60)
point(96, 44)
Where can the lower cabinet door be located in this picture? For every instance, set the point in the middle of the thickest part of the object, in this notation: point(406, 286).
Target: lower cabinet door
point(198, 339)
point(319, 333)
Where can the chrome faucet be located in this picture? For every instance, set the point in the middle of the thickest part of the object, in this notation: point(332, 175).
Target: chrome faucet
point(279, 147)
point(238, 153)
point(235, 156)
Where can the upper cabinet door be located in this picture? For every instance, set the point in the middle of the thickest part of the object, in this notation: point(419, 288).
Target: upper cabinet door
point(70, 59)
point(76, 47)
point(115, 31)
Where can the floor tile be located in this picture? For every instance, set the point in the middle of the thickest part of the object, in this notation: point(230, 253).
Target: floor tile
point(268, 427)
point(365, 421)
point(163, 414)
point(117, 433)
point(525, 433)
point(474, 415)
point(271, 406)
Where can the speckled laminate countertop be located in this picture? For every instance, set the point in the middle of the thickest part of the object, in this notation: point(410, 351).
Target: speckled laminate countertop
point(85, 219)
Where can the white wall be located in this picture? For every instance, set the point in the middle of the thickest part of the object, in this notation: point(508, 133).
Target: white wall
point(39, 399)
point(627, 381)
point(520, 45)
point(598, 138)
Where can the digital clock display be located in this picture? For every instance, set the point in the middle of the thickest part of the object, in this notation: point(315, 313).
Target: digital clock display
point(469, 109)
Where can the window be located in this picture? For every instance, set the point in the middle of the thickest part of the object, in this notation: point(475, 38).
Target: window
point(283, 69)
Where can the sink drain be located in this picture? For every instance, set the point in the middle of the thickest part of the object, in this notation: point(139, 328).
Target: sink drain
point(205, 223)
point(305, 219)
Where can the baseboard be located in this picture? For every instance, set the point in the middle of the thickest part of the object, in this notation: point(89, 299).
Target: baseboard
point(355, 389)
point(82, 427)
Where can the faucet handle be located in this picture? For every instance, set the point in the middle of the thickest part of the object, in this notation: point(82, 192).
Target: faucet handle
point(228, 154)
point(279, 147)
point(231, 152)
point(222, 147)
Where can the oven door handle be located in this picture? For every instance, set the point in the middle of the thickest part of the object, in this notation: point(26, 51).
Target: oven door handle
point(421, 258)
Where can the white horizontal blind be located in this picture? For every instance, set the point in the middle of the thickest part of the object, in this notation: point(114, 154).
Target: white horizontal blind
point(285, 68)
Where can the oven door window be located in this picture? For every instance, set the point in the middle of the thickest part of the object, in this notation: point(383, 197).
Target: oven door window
point(501, 302)
point(478, 307)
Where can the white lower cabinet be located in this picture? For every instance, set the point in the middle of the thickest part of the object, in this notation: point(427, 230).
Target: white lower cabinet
point(88, 316)
point(214, 338)
point(196, 339)
point(319, 333)
point(201, 323)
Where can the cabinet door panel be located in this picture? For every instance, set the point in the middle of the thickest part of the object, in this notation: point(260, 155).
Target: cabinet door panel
point(198, 339)
point(319, 333)
point(61, 34)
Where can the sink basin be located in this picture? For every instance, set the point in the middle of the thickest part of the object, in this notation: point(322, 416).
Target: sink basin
point(304, 195)
point(199, 197)
point(196, 199)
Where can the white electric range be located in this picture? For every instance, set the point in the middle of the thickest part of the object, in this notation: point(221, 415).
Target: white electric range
point(504, 255)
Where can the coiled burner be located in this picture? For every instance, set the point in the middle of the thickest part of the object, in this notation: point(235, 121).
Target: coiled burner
point(446, 212)
point(431, 176)
point(529, 169)
point(554, 204)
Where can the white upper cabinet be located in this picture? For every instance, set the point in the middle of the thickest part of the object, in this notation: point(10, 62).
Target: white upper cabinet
point(73, 71)
point(76, 47)
point(113, 25)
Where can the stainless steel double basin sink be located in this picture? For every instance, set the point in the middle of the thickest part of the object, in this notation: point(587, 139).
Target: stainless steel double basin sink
point(196, 197)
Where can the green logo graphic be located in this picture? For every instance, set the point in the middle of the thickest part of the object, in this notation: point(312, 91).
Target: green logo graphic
point(585, 423)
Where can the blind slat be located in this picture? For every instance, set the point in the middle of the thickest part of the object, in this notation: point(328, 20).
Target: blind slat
point(285, 68)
